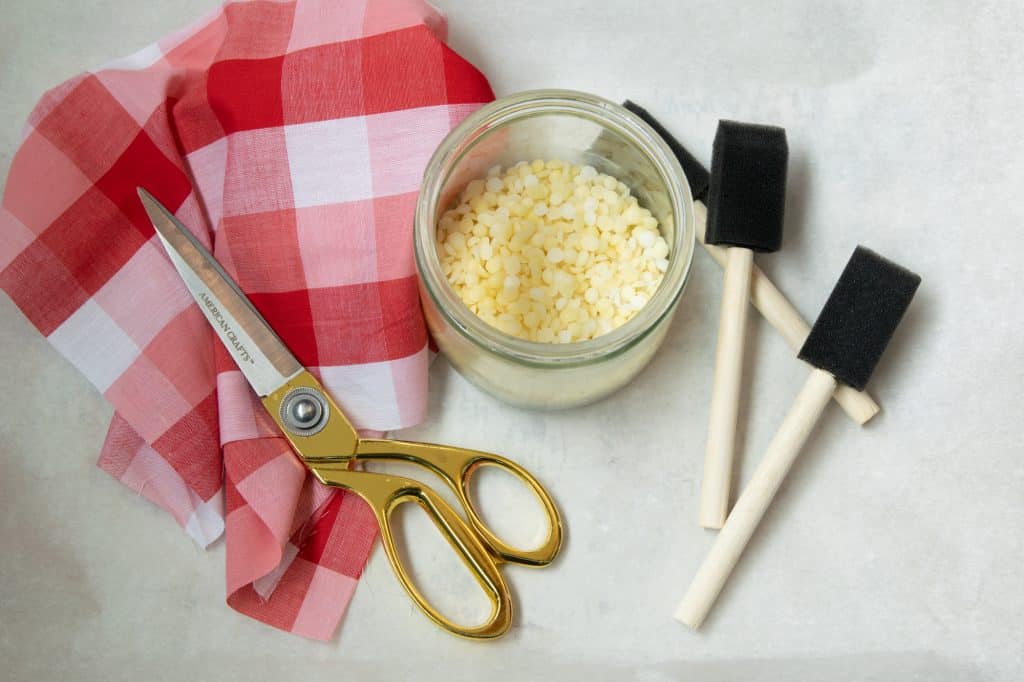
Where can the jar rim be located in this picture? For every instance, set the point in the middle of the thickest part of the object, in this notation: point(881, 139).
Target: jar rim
point(608, 115)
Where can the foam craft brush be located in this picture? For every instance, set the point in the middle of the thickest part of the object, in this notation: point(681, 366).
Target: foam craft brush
point(765, 296)
point(844, 345)
point(746, 198)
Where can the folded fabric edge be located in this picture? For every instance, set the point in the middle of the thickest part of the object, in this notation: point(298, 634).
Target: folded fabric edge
point(126, 457)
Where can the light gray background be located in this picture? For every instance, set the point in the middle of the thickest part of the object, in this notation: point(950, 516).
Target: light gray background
point(893, 552)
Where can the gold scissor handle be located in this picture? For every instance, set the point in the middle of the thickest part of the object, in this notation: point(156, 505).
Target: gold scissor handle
point(385, 493)
point(456, 466)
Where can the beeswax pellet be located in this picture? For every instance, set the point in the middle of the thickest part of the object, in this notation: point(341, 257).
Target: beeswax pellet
point(551, 252)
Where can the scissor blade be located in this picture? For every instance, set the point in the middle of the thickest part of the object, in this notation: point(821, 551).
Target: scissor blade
point(263, 358)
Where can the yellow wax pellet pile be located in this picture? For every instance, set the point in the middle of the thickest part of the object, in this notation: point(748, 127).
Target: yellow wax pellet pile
point(551, 252)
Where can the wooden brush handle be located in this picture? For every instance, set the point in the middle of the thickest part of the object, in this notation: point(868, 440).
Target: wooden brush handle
point(753, 502)
point(781, 314)
point(725, 392)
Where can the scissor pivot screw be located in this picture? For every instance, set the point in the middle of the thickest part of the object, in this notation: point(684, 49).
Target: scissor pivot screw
point(304, 411)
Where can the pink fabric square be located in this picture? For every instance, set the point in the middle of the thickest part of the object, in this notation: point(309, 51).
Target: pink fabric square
point(191, 373)
point(137, 91)
point(320, 22)
point(275, 488)
point(262, 551)
point(156, 480)
point(392, 15)
point(259, 30)
point(401, 144)
point(337, 243)
point(393, 216)
point(238, 416)
point(257, 177)
point(145, 294)
point(457, 113)
point(196, 45)
point(145, 396)
point(265, 251)
point(191, 213)
point(324, 603)
point(90, 106)
point(208, 166)
point(37, 165)
point(14, 237)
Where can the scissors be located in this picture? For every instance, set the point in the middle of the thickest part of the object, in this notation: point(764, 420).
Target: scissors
point(329, 446)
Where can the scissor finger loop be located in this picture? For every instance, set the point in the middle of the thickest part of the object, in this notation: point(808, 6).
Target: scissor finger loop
point(456, 467)
point(384, 494)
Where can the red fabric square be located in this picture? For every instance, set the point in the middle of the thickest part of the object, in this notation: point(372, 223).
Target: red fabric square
point(192, 448)
point(343, 546)
point(90, 127)
point(289, 313)
point(347, 323)
point(405, 332)
point(93, 239)
point(246, 94)
point(363, 323)
point(282, 608)
point(253, 456)
point(233, 499)
point(143, 165)
point(264, 250)
point(463, 82)
point(120, 447)
point(316, 538)
point(42, 287)
point(323, 82)
point(402, 69)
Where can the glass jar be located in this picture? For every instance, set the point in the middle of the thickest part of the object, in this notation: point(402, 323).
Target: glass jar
point(581, 129)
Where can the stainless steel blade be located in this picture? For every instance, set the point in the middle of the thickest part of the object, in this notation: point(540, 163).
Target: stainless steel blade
point(263, 358)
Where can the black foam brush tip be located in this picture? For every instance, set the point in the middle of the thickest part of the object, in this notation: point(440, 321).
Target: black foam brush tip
point(747, 190)
point(859, 318)
point(696, 174)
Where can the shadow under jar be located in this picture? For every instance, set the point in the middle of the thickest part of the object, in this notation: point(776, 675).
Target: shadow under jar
point(581, 129)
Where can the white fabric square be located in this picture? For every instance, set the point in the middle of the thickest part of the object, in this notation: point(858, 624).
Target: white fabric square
point(145, 294)
point(330, 161)
point(366, 394)
point(206, 523)
point(143, 59)
point(77, 338)
point(401, 144)
point(14, 237)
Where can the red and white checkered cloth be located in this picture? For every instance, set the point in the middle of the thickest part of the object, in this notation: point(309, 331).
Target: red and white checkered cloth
point(291, 137)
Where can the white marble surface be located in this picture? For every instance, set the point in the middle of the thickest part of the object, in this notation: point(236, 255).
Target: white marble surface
point(893, 552)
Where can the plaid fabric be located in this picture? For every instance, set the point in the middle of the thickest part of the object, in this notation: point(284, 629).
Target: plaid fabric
point(291, 137)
